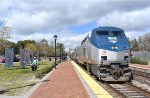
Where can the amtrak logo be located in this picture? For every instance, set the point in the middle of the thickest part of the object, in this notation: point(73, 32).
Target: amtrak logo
point(112, 39)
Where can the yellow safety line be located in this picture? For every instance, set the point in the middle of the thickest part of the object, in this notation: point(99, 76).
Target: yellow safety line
point(97, 89)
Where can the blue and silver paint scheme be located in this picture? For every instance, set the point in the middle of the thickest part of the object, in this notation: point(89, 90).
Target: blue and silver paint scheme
point(104, 46)
point(116, 48)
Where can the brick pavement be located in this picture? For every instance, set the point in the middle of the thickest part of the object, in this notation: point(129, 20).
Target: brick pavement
point(62, 83)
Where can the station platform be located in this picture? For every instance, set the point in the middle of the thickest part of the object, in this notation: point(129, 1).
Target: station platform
point(68, 80)
point(140, 68)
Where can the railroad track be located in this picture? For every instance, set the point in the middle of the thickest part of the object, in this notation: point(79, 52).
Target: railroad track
point(129, 91)
point(142, 79)
point(140, 73)
point(125, 90)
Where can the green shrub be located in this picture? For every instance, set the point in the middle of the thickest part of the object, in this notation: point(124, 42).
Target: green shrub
point(45, 70)
point(138, 61)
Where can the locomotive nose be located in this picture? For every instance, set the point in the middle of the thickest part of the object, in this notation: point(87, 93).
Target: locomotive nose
point(107, 57)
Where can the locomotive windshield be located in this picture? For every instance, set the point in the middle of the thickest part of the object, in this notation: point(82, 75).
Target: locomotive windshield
point(110, 33)
point(116, 33)
point(102, 32)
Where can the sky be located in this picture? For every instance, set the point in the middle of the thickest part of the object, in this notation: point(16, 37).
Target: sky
point(72, 20)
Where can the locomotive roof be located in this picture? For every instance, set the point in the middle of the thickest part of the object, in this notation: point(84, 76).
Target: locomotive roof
point(108, 28)
point(106, 42)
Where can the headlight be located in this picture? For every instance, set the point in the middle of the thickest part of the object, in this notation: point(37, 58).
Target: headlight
point(115, 47)
point(104, 53)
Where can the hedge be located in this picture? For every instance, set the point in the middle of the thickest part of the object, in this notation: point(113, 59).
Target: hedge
point(45, 70)
point(138, 61)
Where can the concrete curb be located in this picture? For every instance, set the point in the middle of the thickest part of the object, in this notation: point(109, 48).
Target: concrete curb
point(86, 86)
point(34, 87)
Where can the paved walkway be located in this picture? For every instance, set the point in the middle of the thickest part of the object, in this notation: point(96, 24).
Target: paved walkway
point(62, 83)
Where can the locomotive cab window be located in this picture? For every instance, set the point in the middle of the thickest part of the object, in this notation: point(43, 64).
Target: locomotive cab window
point(102, 32)
point(116, 33)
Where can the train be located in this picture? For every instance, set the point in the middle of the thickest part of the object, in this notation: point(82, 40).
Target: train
point(105, 53)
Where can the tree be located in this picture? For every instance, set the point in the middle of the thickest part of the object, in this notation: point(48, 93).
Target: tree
point(30, 47)
point(4, 34)
point(144, 42)
point(134, 44)
point(23, 43)
point(43, 47)
point(49, 49)
point(4, 30)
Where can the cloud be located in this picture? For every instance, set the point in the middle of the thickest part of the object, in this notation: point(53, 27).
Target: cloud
point(70, 40)
point(135, 34)
point(134, 20)
point(38, 19)
point(26, 24)
point(31, 16)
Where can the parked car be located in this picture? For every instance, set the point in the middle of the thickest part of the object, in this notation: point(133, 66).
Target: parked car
point(2, 60)
point(16, 59)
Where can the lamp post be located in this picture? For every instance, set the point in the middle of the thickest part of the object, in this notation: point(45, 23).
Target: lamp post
point(55, 37)
point(60, 52)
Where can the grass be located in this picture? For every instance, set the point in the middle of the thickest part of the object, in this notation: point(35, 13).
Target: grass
point(16, 81)
point(12, 72)
point(134, 60)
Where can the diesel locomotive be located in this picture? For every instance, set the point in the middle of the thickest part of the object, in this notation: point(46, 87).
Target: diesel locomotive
point(105, 53)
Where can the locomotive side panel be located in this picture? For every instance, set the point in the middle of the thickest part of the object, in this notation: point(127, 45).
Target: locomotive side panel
point(94, 55)
point(88, 51)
